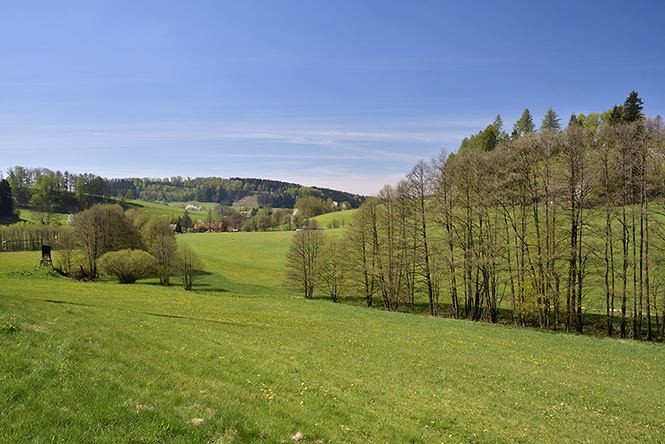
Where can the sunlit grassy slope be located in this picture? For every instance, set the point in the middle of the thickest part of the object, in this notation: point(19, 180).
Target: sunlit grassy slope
point(104, 362)
point(342, 217)
point(246, 263)
point(241, 263)
point(155, 208)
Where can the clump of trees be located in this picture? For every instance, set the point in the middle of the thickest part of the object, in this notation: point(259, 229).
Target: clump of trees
point(266, 218)
point(130, 245)
point(187, 266)
point(25, 236)
point(315, 260)
point(538, 223)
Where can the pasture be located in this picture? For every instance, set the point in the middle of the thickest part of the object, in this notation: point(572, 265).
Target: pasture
point(243, 361)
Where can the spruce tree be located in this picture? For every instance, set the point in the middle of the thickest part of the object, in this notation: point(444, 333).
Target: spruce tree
point(616, 115)
point(632, 108)
point(6, 199)
point(573, 120)
point(498, 122)
point(524, 124)
point(551, 121)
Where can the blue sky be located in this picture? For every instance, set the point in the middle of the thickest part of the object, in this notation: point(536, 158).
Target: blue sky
point(346, 95)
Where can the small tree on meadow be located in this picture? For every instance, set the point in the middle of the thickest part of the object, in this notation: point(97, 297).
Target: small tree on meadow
point(187, 266)
point(65, 249)
point(303, 261)
point(159, 239)
point(333, 268)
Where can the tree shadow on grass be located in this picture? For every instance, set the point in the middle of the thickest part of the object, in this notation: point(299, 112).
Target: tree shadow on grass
point(211, 285)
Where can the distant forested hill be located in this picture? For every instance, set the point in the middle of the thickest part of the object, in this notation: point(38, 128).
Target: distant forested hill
point(41, 187)
point(226, 191)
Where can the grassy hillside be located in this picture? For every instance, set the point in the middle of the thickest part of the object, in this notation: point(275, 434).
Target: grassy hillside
point(104, 362)
point(241, 263)
point(155, 208)
point(149, 207)
point(342, 217)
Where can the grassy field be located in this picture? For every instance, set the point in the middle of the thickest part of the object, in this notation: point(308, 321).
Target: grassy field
point(155, 208)
point(342, 217)
point(104, 362)
point(241, 263)
point(148, 207)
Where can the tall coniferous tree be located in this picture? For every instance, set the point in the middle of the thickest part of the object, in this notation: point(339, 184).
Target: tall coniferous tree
point(524, 125)
point(6, 198)
point(632, 108)
point(551, 121)
point(615, 115)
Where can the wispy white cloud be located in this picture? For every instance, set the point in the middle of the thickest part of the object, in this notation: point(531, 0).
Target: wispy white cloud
point(199, 134)
point(341, 156)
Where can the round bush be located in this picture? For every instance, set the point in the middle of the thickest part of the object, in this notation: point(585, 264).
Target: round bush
point(128, 265)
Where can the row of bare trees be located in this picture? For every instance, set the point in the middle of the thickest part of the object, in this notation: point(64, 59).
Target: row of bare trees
point(547, 227)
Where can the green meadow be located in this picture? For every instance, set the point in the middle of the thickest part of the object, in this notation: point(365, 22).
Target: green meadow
point(342, 217)
point(243, 360)
point(249, 264)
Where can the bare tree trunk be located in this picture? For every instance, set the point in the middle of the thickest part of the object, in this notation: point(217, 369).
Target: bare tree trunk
point(636, 269)
point(661, 334)
point(624, 274)
point(646, 273)
point(609, 273)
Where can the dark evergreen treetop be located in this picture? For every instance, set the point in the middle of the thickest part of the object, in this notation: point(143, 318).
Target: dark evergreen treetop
point(616, 115)
point(488, 138)
point(6, 199)
point(632, 108)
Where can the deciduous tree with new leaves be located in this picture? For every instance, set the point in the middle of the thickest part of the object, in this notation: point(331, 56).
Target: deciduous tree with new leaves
point(303, 260)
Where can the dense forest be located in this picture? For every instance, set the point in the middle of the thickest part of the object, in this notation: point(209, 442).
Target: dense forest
point(539, 222)
point(43, 189)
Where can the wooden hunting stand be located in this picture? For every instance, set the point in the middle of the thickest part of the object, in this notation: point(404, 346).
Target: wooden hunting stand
point(46, 257)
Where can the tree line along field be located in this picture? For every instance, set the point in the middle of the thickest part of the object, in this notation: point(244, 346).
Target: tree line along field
point(254, 264)
point(105, 362)
point(555, 227)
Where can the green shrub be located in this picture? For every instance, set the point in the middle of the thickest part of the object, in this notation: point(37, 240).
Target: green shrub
point(128, 265)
